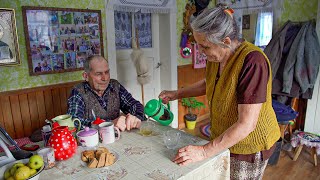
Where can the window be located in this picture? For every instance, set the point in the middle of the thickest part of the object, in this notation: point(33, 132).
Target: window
point(123, 29)
point(264, 29)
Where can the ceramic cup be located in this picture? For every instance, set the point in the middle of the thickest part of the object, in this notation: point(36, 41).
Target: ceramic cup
point(107, 133)
point(47, 154)
point(171, 138)
point(46, 133)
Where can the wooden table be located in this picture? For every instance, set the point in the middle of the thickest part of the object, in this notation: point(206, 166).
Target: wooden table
point(141, 157)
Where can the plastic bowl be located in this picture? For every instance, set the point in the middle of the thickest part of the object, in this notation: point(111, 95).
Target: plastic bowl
point(24, 161)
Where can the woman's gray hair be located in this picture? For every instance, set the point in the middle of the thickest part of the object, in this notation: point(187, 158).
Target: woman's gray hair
point(86, 64)
point(216, 24)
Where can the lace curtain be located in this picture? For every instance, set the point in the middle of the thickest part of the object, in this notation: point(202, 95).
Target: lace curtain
point(123, 29)
point(143, 24)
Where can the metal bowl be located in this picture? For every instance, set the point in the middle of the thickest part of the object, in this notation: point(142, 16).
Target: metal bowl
point(24, 161)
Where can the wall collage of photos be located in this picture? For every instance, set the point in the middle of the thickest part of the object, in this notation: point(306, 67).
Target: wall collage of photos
point(60, 40)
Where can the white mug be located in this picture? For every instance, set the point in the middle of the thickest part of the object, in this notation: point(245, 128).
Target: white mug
point(107, 134)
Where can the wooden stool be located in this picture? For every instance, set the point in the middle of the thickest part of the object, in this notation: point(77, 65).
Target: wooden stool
point(300, 139)
point(284, 125)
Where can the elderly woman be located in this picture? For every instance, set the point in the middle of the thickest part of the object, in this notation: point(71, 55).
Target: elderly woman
point(238, 88)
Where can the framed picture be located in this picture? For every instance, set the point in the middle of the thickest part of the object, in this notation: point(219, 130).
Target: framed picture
point(9, 48)
point(60, 39)
point(246, 22)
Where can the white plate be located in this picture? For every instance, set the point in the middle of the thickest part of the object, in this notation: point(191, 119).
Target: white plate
point(24, 161)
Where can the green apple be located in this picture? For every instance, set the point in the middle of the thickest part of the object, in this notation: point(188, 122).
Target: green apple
point(35, 162)
point(33, 172)
point(15, 167)
point(10, 178)
point(7, 174)
point(22, 173)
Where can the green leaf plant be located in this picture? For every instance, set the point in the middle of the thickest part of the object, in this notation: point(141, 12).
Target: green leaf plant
point(193, 106)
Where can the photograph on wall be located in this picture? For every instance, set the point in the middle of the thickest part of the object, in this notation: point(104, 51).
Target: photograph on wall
point(70, 60)
point(60, 39)
point(246, 22)
point(9, 49)
point(58, 62)
point(81, 57)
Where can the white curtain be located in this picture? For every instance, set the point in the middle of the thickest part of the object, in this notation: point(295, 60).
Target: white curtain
point(263, 29)
point(255, 6)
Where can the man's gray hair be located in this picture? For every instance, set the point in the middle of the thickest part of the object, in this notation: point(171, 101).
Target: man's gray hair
point(86, 63)
point(216, 24)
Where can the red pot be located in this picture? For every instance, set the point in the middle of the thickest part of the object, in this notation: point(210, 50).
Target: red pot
point(63, 143)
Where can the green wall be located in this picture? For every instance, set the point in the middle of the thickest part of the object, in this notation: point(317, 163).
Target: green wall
point(180, 10)
point(250, 34)
point(301, 10)
point(297, 10)
point(17, 77)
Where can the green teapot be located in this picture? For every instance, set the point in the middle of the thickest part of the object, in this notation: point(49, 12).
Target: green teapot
point(159, 112)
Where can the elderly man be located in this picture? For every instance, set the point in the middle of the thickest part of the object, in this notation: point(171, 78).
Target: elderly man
point(105, 96)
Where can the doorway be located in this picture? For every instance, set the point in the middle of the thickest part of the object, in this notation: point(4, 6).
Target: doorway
point(161, 60)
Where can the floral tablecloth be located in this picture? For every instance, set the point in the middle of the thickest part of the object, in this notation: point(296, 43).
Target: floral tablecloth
point(141, 157)
point(305, 138)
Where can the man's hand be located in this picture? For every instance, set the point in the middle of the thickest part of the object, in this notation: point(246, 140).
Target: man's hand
point(190, 154)
point(132, 122)
point(120, 123)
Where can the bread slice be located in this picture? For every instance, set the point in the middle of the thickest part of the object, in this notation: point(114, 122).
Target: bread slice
point(103, 149)
point(101, 160)
point(86, 155)
point(84, 158)
point(110, 158)
point(98, 153)
point(93, 163)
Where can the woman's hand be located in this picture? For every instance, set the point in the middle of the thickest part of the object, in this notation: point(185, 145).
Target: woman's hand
point(167, 96)
point(190, 154)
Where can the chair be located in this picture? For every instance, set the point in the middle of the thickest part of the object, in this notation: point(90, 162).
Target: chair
point(285, 116)
point(300, 139)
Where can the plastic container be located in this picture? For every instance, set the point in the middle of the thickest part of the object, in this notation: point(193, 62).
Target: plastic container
point(159, 112)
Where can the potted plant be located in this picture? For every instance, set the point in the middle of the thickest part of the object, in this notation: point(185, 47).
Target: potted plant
point(193, 106)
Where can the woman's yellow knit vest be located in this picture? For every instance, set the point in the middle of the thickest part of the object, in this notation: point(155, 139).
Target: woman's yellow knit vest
point(222, 97)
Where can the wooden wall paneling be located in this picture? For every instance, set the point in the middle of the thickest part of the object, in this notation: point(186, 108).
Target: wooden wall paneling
point(7, 116)
point(41, 108)
point(1, 116)
point(25, 114)
point(34, 114)
point(187, 75)
point(63, 100)
point(36, 104)
point(16, 116)
point(48, 104)
point(69, 89)
point(56, 102)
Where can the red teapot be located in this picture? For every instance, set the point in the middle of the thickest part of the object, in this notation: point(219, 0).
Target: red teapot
point(64, 144)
